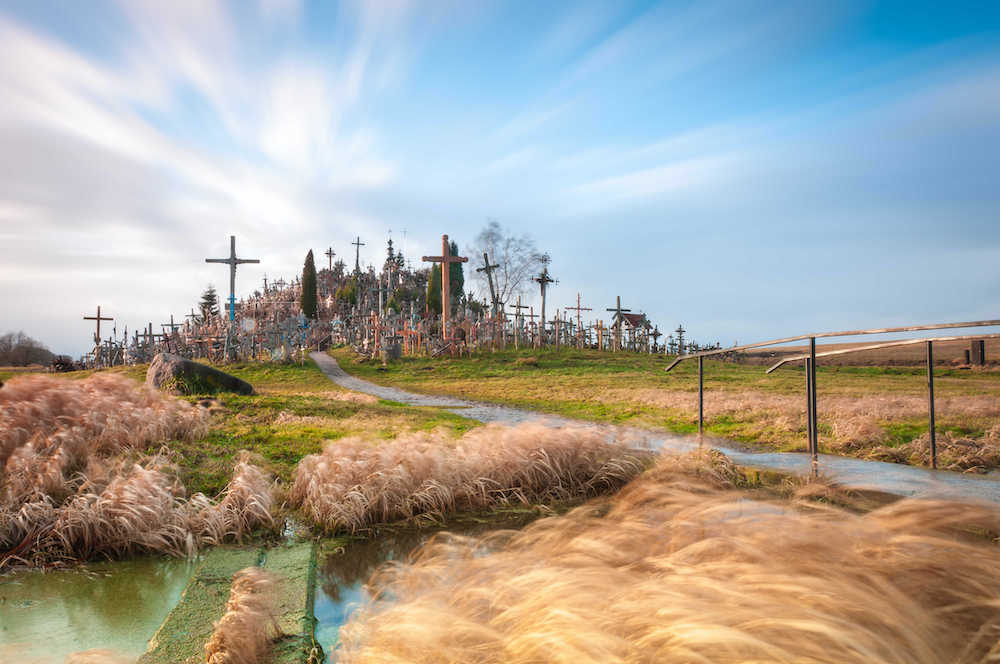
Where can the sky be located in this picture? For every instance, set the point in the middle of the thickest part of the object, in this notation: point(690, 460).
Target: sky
point(747, 169)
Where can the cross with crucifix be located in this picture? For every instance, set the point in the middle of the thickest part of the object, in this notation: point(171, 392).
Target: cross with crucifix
point(618, 322)
point(446, 259)
point(579, 326)
point(330, 253)
point(232, 262)
point(357, 254)
point(98, 318)
point(543, 280)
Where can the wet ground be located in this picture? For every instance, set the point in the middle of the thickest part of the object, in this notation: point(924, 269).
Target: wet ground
point(45, 616)
point(891, 478)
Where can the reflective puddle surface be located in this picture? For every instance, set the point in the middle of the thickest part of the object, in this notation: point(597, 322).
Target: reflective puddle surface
point(342, 574)
point(45, 616)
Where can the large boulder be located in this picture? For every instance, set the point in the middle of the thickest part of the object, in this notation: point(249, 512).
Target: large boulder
point(180, 375)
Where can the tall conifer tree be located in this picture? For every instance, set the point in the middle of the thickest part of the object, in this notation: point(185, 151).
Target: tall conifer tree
point(309, 298)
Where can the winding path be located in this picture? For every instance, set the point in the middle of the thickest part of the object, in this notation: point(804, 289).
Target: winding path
point(857, 473)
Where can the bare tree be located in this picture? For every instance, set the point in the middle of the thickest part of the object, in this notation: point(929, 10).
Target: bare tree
point(516, 257)
point(18, 349)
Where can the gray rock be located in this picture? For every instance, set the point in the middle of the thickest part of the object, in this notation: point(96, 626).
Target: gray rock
point(179, 375)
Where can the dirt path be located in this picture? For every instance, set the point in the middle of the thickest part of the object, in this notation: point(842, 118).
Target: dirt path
point(857, 473)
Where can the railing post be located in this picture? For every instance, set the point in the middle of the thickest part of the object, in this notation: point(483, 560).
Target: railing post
point(930, 401)
point(812, 402)
point(701, 397)
point(809, 405)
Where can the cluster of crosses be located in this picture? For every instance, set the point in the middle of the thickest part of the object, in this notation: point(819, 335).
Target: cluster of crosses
point(382, 312)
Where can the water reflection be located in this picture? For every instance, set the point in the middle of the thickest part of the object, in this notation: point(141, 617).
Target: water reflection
point(45, 616)
point(342, 574)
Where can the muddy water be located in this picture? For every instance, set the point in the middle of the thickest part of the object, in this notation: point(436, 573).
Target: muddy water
point(858, 473)
point(341, 575)
point(115, 606)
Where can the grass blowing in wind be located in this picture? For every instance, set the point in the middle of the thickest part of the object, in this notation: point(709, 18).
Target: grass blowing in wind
point(357, 482)
point(679, 567)
point(76, 482)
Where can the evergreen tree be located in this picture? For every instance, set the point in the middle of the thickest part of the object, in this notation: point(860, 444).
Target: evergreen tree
point(348, 292)
point(456, 278)
point(209, 304)
point(434, 290)
point(309, 298)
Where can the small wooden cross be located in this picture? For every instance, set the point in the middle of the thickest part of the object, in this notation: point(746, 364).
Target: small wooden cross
point(578, 309)
point(98, 318)
point(446, 259)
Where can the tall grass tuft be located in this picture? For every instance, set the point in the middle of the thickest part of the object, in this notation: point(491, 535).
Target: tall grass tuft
point(244, 633)
point(678, 568)
point(71, 490)
point(355, 482)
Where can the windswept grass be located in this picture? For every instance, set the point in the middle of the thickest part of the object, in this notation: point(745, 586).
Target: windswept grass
point(76, 484)
point(244, 633)
point(678, 567)
point(354, 483)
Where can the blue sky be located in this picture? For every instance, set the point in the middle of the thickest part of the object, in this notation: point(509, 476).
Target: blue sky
point(748, 169)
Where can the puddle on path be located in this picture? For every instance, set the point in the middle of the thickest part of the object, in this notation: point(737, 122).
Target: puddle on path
point(341, 576)
point(892, 478)
point(44, 616)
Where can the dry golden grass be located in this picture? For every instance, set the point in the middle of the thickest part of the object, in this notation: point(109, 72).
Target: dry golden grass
point(244, 633)
point(70, 488)
point(678, 568)
point(357, 482)
point(51, 430)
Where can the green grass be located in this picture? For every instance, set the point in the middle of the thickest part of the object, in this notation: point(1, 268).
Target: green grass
point(626, 388)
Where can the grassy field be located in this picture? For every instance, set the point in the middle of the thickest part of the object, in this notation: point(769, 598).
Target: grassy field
point(876, 412)
point(294, 411)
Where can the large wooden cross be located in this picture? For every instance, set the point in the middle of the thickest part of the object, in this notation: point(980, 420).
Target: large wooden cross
point(617, 327)
point(232, 262)
point(330, 253)
point(357, 254)
point(98, 318)
point(446, 259)
point(579, 326)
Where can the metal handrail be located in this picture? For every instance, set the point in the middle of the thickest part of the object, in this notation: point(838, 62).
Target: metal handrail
point(823, 335)
point(888, 344)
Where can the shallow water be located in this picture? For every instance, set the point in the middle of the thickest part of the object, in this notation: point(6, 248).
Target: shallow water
point(45, 616)
point(892, 478)
point(341, 575)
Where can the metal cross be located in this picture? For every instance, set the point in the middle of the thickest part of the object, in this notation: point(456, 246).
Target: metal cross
point(232, 262)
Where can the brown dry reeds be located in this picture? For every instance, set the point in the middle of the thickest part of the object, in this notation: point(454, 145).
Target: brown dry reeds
point(139, 509)
point(355, 482)
point(675, 569)
point(52, 429)
point(244, 633)
point(69, 491)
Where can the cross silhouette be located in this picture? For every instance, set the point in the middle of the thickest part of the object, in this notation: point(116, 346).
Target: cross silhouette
point(232, 262)
point(330, 253)
point(98, 318)
point(357, 253)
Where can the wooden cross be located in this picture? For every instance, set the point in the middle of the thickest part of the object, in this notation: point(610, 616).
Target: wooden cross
point(172, 325)
point(618, 322)
point(446, 259)
point(488, 269)
point(517, 320)
point(578, 309)
point(330, 253)
point(680, 339)
point(357, 254)
point(232, 262)
point(98, 318)
point(280, 283)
